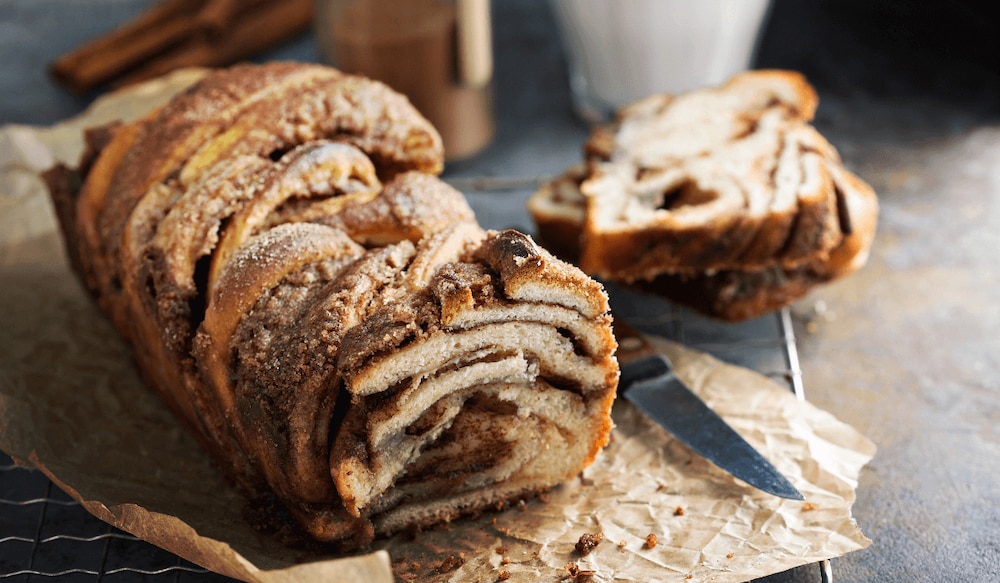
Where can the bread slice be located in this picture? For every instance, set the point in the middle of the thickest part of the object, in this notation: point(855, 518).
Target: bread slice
point(725, 198)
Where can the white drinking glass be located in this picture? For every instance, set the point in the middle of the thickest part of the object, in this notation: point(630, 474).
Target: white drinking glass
point(619, 51)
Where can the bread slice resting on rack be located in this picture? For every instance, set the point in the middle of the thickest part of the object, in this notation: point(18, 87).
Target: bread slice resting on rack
point(725, 199)
point(325, 314)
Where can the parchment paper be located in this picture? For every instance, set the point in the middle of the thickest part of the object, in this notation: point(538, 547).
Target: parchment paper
point(72, 405)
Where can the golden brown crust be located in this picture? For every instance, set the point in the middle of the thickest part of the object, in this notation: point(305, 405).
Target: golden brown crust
point(858, 211)
point(411, 206)
point(529, 272)
point(325, 314)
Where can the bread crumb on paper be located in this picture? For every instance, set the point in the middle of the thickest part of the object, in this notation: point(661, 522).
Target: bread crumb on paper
point(807, 506)
point(588, 542)
point(451, 563)
point(578, 574)
point(651, 541)
point(679, 511)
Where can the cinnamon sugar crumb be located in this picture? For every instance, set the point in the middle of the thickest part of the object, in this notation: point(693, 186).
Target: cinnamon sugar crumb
point(621, 546)
point(679, 511)
point(729, 555)
point(578, 574)
point(807, 506)
point(503, 575)
point(588, 542)
point(544, 498)
point(501, 550)
point(651, 541)
point(451, 563)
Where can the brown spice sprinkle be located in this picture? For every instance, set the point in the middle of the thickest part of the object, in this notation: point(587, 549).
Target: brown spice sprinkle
point(588, 542)
point(505, 561)
point(679, 511)
point(503, 575)
point(451, 563)
point(651, 541)
point(729, 555)
point(501, 550)
point(578, 574)
point(807, 506)
point(621, 546)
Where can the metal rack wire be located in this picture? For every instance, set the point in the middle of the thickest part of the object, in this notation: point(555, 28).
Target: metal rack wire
point(46, 535)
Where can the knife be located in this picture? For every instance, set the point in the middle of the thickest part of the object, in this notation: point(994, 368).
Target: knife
point(648, 382)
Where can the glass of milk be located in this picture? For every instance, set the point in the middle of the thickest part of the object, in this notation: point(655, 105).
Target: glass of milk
point(622, 50)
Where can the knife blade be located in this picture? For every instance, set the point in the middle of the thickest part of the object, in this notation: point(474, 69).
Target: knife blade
point(648, 382)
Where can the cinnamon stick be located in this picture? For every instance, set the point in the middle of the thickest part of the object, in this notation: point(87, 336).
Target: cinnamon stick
point(101, 60)
point(179, 33)
point(250, 32)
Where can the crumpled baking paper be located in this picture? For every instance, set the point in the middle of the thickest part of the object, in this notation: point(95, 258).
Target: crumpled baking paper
point(72, 405)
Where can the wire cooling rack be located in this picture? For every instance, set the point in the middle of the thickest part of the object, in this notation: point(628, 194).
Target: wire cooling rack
point(46, 536)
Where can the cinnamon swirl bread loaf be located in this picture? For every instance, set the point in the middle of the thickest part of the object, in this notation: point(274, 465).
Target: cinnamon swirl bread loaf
point(725, 199)
point(325, 314)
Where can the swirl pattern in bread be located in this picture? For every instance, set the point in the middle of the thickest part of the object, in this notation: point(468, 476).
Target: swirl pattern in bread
point(724, 198)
